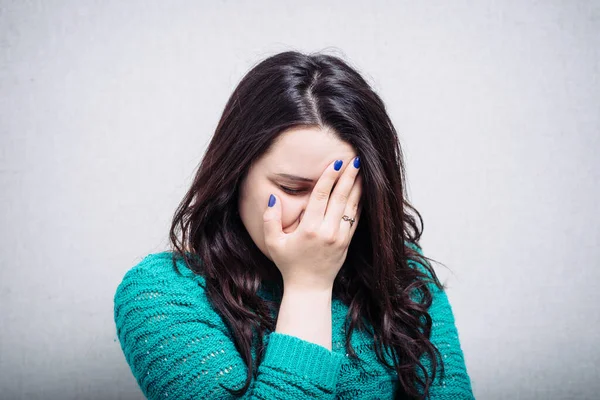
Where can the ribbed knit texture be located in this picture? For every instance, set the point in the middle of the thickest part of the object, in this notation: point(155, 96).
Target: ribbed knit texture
point(178, 346)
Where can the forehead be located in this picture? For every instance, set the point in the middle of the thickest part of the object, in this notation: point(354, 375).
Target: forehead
point(306, 150)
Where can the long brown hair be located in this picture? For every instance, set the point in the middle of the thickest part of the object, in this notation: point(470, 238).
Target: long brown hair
point(376, 282)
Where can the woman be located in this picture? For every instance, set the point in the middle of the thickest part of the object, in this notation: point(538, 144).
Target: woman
point(295, 269)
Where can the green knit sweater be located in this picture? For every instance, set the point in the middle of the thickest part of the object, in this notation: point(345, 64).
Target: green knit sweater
point(178, 346)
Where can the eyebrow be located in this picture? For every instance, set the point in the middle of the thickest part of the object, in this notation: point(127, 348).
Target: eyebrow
point(294, 178)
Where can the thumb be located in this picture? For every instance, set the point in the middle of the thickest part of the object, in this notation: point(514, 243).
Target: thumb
point(272, 219)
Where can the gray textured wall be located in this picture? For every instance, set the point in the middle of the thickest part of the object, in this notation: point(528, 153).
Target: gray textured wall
point(106, 108)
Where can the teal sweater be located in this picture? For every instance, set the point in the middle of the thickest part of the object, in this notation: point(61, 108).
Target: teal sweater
point(178, 346)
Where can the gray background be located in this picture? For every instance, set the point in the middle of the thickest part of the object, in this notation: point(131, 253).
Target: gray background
point(106, 108)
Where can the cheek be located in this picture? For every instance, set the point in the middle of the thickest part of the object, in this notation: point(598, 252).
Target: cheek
point(253, 191)
point(260, 197)
point(254, 207)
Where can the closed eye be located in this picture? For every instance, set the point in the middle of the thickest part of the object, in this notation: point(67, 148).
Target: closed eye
point(289, 190)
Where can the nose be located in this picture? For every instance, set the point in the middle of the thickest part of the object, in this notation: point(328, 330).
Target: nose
point(293, 227)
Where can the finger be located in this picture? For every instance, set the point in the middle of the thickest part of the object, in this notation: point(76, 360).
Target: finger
point(272, 221)
point(350, 230)
point(341, 196)
point(352, 210)
point(317, 203)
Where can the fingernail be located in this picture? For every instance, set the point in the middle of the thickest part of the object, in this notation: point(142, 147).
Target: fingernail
point(357, 162)
point(271, 201)
point(337, 165)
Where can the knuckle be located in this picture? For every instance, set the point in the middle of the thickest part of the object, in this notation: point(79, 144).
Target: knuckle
point(341, 197)
point(341, 243)
point(330, 238)
point(310, 233)
point(321, 195)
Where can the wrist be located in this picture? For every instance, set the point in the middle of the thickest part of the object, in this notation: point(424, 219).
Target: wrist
point(300, 283)
point(300, 289)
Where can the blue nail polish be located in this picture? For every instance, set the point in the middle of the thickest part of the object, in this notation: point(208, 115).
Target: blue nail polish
point(357, 162)
point(271, 201)
point(337, 165)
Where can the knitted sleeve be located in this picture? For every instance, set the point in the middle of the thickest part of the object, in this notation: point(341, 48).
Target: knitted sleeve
point(178, 347)
point(456, 383)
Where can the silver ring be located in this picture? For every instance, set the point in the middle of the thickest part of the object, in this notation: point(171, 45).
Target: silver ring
point(347, 218)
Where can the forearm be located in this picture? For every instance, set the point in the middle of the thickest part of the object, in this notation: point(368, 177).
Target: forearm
point(306, 314)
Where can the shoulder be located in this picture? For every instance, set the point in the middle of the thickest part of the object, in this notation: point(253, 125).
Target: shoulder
point(417, 262)
point(158, 278)
point(164, 267)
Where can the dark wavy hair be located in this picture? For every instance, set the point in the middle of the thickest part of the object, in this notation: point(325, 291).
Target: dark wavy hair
point(287, 90)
